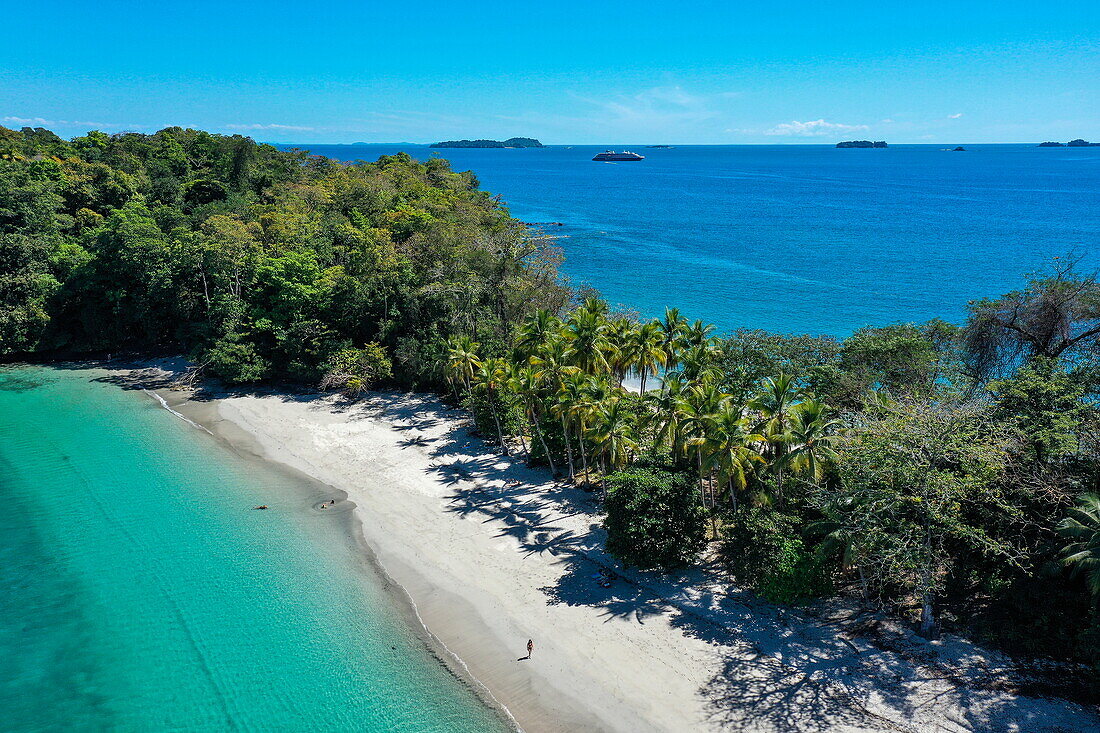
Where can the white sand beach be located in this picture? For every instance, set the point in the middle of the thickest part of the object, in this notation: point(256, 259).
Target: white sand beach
point(492, 553)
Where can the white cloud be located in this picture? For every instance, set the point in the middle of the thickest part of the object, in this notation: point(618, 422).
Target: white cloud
point(955, 116)
point(887, 121)
point(42, 122)
point(812, 127)
point(26, 120)
point(273, 126)
point(656, 110)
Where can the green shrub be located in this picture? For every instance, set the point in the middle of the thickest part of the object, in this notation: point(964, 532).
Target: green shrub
point(355, 370)
point(237, 362)
point(653, 518)
point(766, 552)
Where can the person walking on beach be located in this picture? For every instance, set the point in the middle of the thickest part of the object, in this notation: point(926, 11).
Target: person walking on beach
point(530, 648)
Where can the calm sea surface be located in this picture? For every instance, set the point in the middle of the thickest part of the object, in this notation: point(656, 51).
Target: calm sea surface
point(140, 592)
point(799, 238)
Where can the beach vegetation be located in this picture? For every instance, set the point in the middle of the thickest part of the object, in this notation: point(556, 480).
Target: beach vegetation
point(882, 466)
point(653, 518)
point(353, 371)
point(945, 473)
point(1082, 553)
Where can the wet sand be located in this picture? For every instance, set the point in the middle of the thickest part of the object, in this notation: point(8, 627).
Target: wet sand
point(492, 553)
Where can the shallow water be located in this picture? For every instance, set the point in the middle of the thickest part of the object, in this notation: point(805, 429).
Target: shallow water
point(141, 592)
point(798, 238)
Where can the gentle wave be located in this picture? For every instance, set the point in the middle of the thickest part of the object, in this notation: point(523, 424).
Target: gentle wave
point(164, 404)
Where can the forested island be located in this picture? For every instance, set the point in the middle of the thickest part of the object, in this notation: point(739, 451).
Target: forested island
point(1078, 143)
point(862, 144)
point(942, 473)
point(512, 142)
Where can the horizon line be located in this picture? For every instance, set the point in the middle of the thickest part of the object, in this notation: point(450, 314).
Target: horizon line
point(637, 144)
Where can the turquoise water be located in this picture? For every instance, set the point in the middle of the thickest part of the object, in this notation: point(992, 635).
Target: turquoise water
point(141, 593)
point(798, 238)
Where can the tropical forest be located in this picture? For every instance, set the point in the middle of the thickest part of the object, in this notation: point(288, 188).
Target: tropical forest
point(944, 473)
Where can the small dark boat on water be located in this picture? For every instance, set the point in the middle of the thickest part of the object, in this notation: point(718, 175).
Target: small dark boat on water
point(611, 155)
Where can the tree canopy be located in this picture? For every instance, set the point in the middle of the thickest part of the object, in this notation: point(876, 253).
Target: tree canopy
point(261, 263)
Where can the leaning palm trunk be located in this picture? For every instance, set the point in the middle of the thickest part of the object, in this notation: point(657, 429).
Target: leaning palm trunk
point(542, 440)
point(584, 455)
point(702, 491)
point(526, 450)
point(500, 432)
point(603, 472)
point(733, 495)
point(568, 448)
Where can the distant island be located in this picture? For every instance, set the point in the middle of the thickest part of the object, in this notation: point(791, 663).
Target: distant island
point(1078, 143)
point(862, 144)
point(512, 142)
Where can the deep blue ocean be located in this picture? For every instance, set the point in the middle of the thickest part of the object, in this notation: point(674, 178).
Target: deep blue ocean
point(798, 238)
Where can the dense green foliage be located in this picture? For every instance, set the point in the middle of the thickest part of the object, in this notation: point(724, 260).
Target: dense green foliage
point(766, 551)
point(889, 465)
point(261, 263)
point(653, 519)
point(947, 473)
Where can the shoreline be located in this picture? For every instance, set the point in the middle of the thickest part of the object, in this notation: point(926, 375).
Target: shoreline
point(204, 415)
point(456, 629)
point(490, 553)
point(426, 607)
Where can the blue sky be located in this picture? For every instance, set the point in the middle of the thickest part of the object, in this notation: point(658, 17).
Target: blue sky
point(565, 72)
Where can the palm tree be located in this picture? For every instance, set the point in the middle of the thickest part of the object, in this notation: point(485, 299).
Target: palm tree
point(698, 335)
point(843, 537)
point(462, 358)
point(672, 328)
point(727, 449)
point(595, 306)
point(614, 432)
point(491, 376)
point(669, 411)
point(647, 350)
point(526, 384)
point(702, 401)
point(775, 403)
point(622, 348)
point(1083, 553)
point(811, 430)
point(697, 364)
point(537, 328)
point(511, 386)
point(551, 368)
point(587, 344)
point(580, 397)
